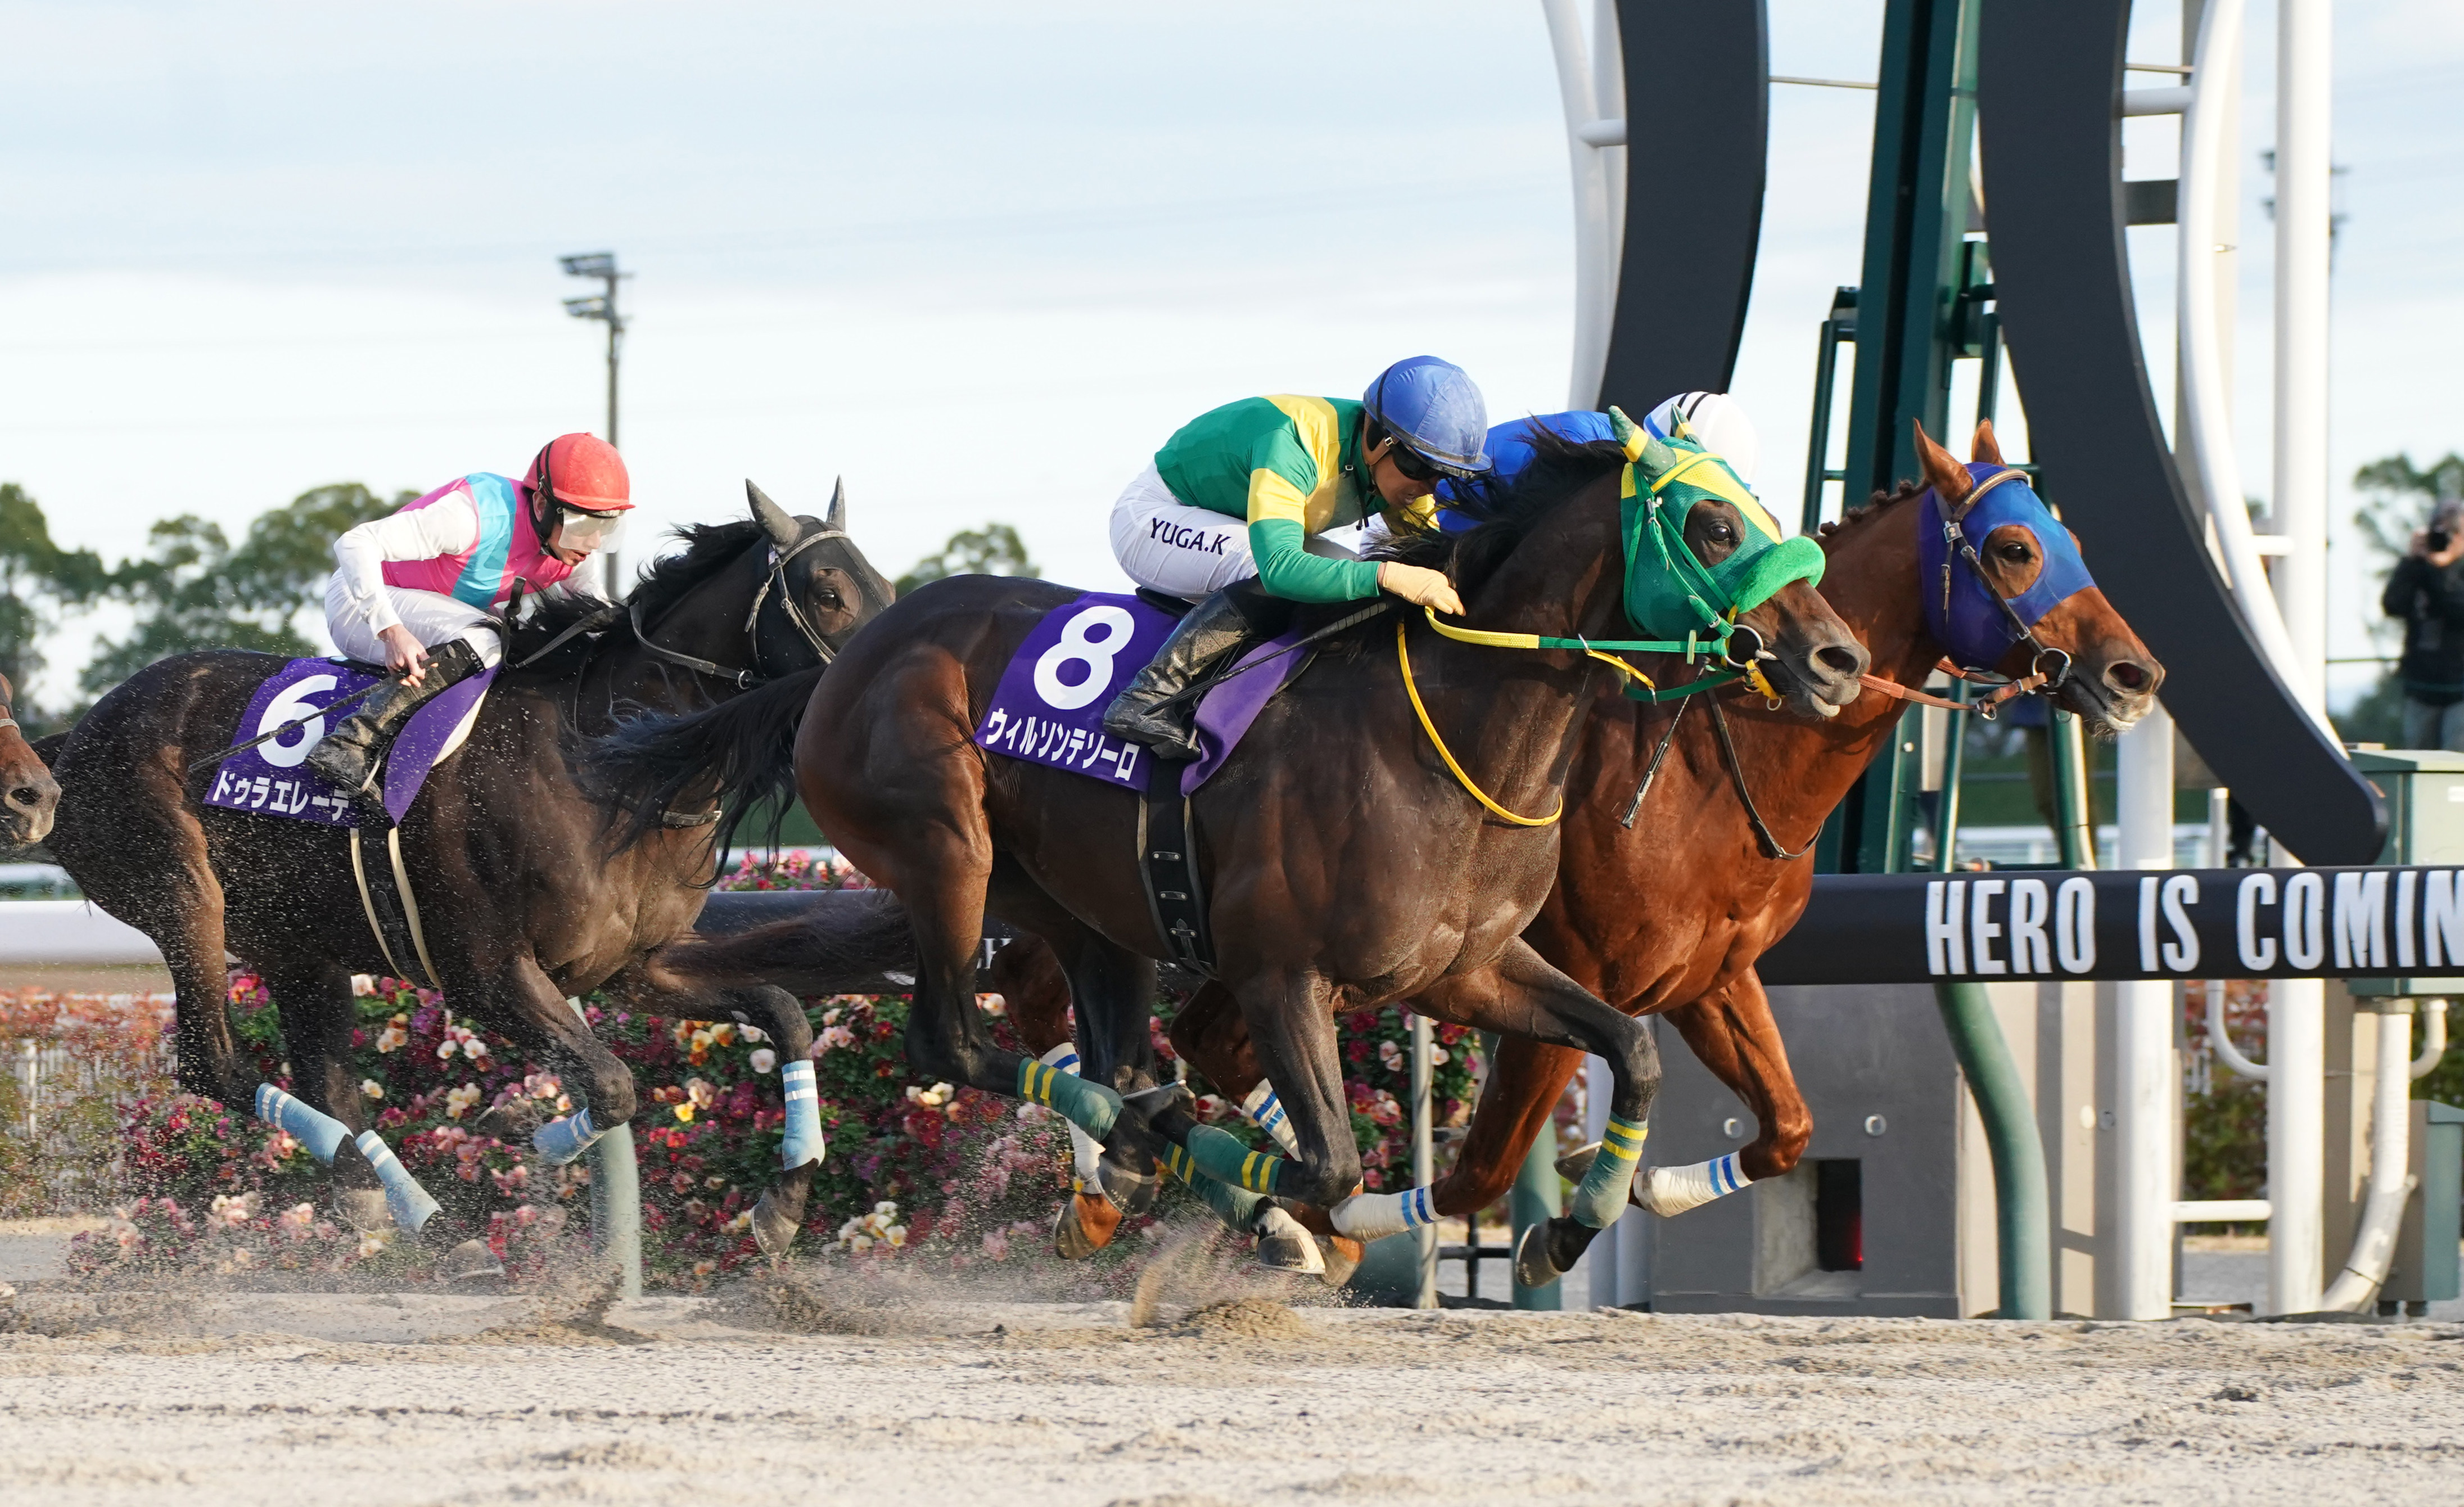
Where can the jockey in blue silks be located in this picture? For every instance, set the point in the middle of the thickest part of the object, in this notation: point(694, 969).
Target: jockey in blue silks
point(1718, 422)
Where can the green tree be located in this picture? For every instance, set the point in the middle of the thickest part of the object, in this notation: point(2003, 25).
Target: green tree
point(992, 550)
point(39, 581)
point(195, 589)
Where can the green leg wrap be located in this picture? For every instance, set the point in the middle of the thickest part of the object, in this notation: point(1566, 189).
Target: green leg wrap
point(1220, 1155)
point(1235, 1207)
point(1092, 1107)
point(1601, 1195)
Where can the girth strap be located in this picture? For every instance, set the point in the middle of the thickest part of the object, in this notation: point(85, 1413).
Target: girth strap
point(1168, 868)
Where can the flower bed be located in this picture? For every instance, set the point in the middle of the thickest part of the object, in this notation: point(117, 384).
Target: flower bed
point(911, 1166)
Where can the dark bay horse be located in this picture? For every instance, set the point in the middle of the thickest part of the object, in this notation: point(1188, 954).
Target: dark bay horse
point(29, 797)
point(1344, 866)
point(1668, 915)
point(521, 901)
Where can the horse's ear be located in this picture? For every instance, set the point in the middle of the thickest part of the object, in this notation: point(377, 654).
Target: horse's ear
point(836, 519)
point(782, 530)
point(1949, 478)
point(1984, 447)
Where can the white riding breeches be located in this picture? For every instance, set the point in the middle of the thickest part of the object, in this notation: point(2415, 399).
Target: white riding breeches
point(431, 618)
point(1167, 545)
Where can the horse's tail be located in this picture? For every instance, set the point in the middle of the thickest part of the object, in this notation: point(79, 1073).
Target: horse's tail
point(843, 942)
point(742, 750)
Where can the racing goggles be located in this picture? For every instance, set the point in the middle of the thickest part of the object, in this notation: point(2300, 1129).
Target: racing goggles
point(580, 528)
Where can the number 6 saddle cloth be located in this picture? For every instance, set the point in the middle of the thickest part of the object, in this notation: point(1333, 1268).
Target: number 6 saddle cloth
point(272, 780)
point(1050, 706)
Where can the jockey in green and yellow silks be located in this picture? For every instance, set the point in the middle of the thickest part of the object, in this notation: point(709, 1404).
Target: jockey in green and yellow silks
point(1232, 509)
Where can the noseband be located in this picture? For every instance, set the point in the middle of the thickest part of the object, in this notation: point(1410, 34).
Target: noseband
point(745, 679)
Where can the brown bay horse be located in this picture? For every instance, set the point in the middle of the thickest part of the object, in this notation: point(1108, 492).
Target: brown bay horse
point(1343, 865)
point(29, 796)
point(519, 902)
point(1668, 915)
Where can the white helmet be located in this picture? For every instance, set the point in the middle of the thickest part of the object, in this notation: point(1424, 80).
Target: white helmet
point(1720, 425)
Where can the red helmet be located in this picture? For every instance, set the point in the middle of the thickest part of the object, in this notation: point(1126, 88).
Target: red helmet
point(582, 471)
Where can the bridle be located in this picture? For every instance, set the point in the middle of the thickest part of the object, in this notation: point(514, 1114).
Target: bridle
point(2047, 672)
point(755, 673)
point(8, 698)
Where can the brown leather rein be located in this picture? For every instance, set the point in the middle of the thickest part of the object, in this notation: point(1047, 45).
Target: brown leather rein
point(1984, 706)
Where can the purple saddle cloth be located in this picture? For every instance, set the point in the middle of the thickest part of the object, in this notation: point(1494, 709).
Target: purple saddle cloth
point(271, 779)
point(1050, 705)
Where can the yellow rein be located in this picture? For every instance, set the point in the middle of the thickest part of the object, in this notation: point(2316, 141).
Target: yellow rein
point(1403, 654)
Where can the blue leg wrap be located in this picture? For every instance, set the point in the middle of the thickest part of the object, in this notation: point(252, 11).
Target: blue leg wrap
point(803, 1142)
point(409, 1203)
point(1235, 1207)
point(1267, 1112)
point(560, 1141)
point(321, 1133)
point(1601, 1197)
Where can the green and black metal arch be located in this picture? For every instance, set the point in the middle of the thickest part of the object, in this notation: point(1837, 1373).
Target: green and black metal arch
point(2049, 87)
point(1698, 126)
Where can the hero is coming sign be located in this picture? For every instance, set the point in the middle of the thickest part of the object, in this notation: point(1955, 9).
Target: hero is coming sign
point(2182, 923)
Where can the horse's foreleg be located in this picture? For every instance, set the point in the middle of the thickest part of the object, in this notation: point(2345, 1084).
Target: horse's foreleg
point(1735, 1036)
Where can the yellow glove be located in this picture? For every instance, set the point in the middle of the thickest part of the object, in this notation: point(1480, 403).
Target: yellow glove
point(1420, 585)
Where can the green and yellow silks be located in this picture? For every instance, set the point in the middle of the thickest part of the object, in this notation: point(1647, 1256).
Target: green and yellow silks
point(1601, 1196)
point(1092, 1107)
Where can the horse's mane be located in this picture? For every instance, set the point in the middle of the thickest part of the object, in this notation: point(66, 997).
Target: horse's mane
point(708, 548)
point(1879, 503)
point(1505, 512)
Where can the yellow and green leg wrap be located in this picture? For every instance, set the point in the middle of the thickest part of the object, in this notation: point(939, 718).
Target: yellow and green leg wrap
point(1601, 1196)
point(1236, 1207)
point(1220, 1155)
point(1092, 1107)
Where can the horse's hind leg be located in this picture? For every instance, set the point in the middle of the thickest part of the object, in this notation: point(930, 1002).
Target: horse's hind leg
point(319, 1015)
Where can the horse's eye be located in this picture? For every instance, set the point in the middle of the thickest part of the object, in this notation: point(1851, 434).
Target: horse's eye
point(2014, 551)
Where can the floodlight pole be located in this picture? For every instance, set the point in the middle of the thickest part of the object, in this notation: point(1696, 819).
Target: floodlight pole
point(603, 307)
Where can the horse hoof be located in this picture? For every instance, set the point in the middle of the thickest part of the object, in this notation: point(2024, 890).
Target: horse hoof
point(1576, 1163)
point(773, 1229)
point(471, 1261)
point(511, 1121)
point(1130, 1192)
point(1086, 1224)
point(1343, 1255)
point(1284, 1246)
point(1531, 1265)
point(363, 1209)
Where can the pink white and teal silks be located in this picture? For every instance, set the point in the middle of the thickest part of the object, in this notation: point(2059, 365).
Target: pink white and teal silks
point(508, 547)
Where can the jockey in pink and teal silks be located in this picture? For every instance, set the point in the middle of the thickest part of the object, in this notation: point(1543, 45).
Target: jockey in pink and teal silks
point(418, 591)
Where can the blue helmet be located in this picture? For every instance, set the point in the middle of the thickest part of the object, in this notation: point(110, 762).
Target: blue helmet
point(1433, 409)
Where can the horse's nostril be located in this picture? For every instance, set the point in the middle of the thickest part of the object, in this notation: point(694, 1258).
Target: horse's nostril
point(27, 796)
point(1840, 660)
point(2126, 675)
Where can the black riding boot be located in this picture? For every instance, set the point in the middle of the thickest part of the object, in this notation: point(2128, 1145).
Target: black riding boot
point(1215, 630)
point(349, 754)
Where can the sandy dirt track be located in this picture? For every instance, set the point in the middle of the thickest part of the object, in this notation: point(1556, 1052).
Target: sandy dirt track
point(377, 1400)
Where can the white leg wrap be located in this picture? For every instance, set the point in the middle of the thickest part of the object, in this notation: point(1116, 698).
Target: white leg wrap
point(1273, 1221)
point(1673, 1190)
point(1267, 1112)
point(1086, 1152)
point(1373, 1216)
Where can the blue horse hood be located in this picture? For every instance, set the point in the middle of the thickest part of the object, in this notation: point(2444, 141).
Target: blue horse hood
point(1961, 610)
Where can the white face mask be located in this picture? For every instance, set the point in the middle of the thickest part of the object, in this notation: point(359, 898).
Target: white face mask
point(577, 529)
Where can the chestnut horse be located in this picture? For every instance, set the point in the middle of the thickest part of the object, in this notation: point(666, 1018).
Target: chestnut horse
point(1667, 916)
point(519, 906)
point(28, 795)
point(1344, 866)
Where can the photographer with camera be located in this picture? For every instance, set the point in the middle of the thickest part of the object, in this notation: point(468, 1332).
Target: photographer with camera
point(2426, 590)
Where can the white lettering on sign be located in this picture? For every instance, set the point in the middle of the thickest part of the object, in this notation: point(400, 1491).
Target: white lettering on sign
point(1946, 943)
point(2442, 920)
point(1983, 931)
point(2031, 902)
point(2182, 953)
point(287, 708)
point(2405, 883)
point(2147, 924)
point(2075, 924)
point(2361, 920)
point(2305, 920)
point(2256, 952)
point(1078, 647)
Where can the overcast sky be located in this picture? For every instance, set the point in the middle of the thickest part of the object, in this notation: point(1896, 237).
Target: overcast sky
point(978, 258)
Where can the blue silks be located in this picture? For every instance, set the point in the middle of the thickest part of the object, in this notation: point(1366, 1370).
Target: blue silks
point(1961, 610)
